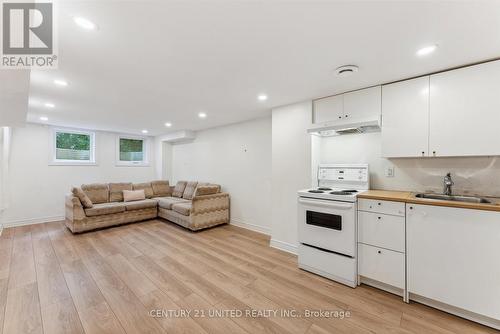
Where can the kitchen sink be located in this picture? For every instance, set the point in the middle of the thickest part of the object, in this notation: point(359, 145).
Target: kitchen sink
point(457, 198)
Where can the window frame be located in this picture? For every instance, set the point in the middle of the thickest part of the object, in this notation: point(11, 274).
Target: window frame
point(64, 162)
point(145, 152)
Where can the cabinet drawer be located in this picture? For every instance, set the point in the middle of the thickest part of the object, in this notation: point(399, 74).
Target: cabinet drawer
point(387, 207)
point(382, 265)
point(382, 230)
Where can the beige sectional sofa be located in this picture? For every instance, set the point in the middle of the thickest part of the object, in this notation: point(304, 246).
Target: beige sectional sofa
point(193, 205)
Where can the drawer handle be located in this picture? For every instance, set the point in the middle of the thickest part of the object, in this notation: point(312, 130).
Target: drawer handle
point(379, 218)
point(380, 252)
point(379, 203)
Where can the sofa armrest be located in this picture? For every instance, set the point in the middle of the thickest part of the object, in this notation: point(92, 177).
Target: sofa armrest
point(74, 209)
point(208, 203)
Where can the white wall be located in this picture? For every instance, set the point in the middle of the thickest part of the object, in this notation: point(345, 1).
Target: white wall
point(163, 163)
point(291, 170)
point(37, 190)
point(2, 168)
point(4, 152)
point(238, 157)
point(473, 175)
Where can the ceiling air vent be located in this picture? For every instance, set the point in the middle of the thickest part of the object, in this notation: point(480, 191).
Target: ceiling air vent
point(346, 70)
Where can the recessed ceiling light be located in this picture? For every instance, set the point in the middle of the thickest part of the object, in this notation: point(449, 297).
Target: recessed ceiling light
point(144, 131)
point(168, 124)
point(262, 97)
point(60, 82)
point(49, 105)
point(202, 115)
point(426, 50)
point(84, 23)
point(44, 118)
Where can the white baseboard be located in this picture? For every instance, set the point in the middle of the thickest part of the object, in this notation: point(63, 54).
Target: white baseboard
point(252, 227)
point(284, 246)
point(31, 221)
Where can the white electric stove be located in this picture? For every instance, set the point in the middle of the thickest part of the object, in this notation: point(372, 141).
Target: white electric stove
point(327, 219)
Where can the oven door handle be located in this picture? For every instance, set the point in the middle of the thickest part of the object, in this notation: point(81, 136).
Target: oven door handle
point(328, 204)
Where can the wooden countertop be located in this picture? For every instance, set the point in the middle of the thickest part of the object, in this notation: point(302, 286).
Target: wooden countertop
point(409, 197)
point(386, 195)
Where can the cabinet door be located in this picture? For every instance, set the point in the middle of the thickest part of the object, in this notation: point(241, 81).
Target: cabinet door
point(382, 265)
point(328, 109)
point(363, 103)
point(405, 118)
point(453, 257)
point(465, 111)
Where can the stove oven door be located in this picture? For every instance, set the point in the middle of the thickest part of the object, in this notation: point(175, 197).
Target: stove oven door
point(329, 225)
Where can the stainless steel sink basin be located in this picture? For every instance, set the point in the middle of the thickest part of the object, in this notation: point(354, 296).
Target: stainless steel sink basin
point(458, 198)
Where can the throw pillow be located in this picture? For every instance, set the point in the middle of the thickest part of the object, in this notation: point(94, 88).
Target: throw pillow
point(133, 195)
point(82, 196)
point(179, 189)
point(161, 188)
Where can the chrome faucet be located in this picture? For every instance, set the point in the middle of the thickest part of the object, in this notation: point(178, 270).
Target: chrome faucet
point(448, 183)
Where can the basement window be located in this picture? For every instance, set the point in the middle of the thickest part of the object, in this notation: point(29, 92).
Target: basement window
point(73, 147)
point(131, 151)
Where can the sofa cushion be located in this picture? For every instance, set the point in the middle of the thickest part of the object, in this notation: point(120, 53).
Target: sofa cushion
point(190, 189)
point(161, 188)
point(144, 204)
point(133, 195)
point(182, 208)
point(84, 199)
point(105, 209)
point(97, 192)
point(167, 202)
point(148, 190)
point(179, 189)
point(116, 191)
point(207, 190)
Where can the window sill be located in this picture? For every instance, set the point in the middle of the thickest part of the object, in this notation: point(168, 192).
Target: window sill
point(71, 163)
point(132, 165)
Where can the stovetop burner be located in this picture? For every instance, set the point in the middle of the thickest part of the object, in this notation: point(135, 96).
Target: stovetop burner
point(316, 191)
point(324, 188)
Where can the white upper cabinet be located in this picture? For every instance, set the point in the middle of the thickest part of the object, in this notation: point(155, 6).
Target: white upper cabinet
point(454, 113)
point(359, 105)
point(363, 104)
point(328, 109)
point(405, 118)
point(465, 111)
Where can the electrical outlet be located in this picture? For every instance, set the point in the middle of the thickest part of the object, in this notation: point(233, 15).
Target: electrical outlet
point(389, 171)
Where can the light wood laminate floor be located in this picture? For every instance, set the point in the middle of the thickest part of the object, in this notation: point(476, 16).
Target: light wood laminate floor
point(115, 280)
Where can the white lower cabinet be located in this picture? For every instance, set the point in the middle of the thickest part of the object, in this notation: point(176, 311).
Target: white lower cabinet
point(381, 230)
point(382, 265)
point(381, 245)
point(454, 259)
point(445, 257)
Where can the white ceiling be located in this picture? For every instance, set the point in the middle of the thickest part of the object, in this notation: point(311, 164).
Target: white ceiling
point(156, 61)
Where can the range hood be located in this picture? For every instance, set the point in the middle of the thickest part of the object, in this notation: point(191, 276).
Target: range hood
point(336, 128)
